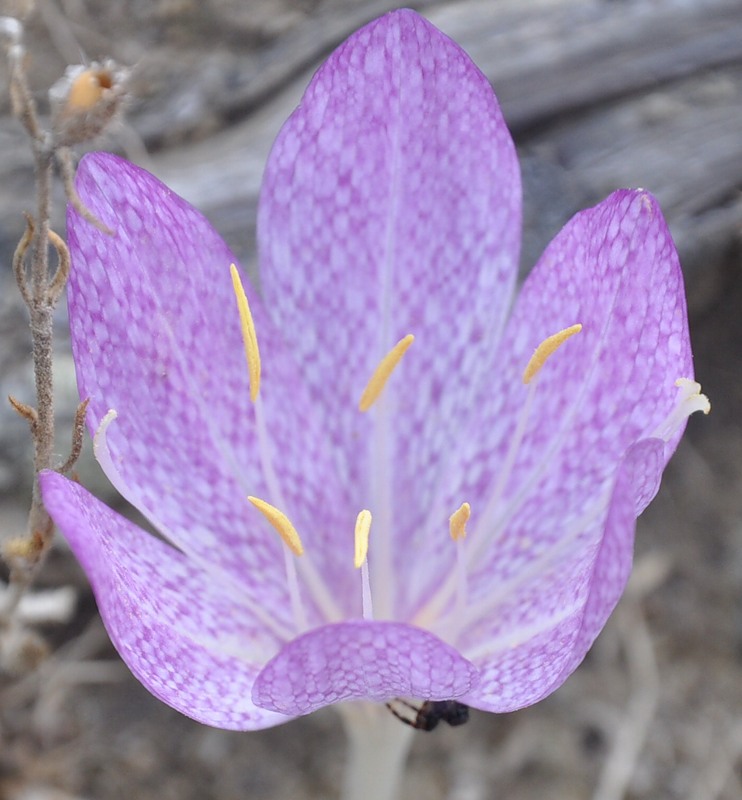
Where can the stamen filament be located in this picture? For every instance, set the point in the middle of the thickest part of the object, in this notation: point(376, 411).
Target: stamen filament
point(249, 337)
point(547, 348)
point(310, 578)
point(292, 579)
point(381, 375)
point(292, 546)
point(367, 605)
point(281, 523)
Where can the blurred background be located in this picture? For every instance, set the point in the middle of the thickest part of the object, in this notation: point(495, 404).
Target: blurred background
point(599, 94)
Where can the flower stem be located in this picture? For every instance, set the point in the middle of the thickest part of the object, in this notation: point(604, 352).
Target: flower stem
point(378, 745)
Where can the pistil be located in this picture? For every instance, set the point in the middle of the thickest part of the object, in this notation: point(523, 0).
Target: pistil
point(690, 400)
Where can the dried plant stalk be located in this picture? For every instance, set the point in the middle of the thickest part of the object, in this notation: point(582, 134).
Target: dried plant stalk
point(83, 103)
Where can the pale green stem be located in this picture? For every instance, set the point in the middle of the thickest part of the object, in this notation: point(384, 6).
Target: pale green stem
point(378, 745)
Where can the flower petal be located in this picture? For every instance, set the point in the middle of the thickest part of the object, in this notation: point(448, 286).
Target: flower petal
point(391, 205)
point(360, 660)
point(181, 630)
point(637, 483)
point(156, 336)
point(519, 673)
point(614, 269)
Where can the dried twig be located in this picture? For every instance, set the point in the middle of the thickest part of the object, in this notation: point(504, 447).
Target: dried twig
point(82, 103)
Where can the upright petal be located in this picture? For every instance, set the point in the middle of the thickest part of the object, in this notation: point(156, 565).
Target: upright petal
point(156, 336)
point(391, 205)
point(615, 270)
point(541, 518)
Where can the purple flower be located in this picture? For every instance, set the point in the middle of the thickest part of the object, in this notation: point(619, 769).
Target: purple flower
point(390, 206)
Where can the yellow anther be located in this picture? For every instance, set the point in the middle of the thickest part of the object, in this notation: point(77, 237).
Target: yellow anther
point(363, 528)
point(248, 333)
point(457, 521)
point(545, 349)
point(381, 375)
point(281, 523)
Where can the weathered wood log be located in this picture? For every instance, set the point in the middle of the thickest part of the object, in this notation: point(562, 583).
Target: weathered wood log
point(598, 94)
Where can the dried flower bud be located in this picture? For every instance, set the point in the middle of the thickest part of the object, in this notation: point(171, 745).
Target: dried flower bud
point(85, 101)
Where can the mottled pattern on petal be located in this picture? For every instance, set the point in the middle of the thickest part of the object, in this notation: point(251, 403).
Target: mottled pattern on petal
point(645, 462)
point(637, 484)
point(614, 269)
point(182, 631)
point(525, 674)
point(156, 336)
point(360, 660)
point(391, 205)
point(524, 668)
point(545, 586)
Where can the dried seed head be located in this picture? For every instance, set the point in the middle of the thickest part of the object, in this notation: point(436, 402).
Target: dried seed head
point(86, 100)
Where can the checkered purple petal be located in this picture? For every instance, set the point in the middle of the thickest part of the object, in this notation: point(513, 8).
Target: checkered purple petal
point(614, 269)
point(182, 629)
point(391, 205)
point(156, 336)
point(528, 664)
point(359, 660)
